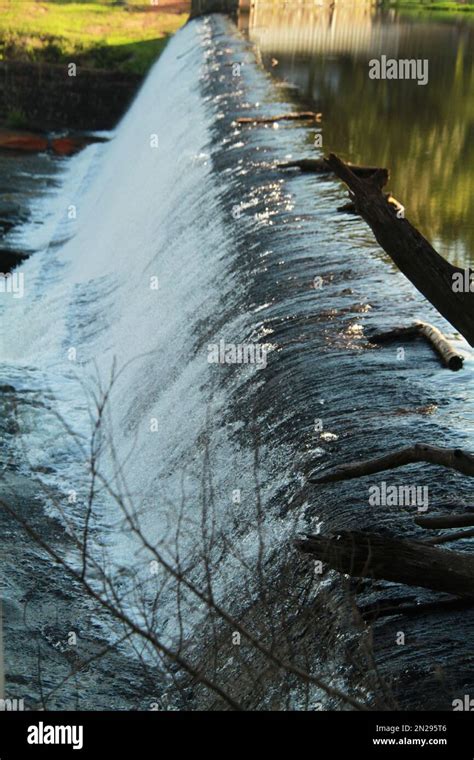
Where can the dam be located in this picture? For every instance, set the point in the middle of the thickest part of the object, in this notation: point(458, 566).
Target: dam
point(174, 485)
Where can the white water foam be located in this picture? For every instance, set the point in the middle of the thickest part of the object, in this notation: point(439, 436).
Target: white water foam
point(145, 215)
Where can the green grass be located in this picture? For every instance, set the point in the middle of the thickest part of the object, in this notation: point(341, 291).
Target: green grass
point(16, 119)
point(429, 5)
point(102, 34)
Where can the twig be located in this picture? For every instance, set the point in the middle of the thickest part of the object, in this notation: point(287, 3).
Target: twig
point(293, 116)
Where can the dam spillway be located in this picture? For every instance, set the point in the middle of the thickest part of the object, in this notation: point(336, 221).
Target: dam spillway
point(186, 235)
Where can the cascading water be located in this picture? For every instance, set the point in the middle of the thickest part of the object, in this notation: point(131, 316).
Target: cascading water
point(182, 236)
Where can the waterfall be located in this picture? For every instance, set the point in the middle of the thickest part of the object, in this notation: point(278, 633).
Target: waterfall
point(178, 256)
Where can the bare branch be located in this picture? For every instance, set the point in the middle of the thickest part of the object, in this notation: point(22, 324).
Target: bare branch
point(455, 459)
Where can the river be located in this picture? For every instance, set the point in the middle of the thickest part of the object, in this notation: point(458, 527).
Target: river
point(177, 234)
point(422, 133)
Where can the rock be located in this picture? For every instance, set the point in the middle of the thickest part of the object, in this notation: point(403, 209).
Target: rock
point(10, 259)
point(12, 427)
point(44, 469)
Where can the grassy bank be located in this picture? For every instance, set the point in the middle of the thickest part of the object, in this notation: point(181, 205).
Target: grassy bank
point(433, 5)
point(122, 36)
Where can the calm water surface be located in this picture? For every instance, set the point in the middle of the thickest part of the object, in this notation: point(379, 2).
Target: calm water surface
point(424, 134)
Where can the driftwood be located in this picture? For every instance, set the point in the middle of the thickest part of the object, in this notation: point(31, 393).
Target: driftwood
point(455, 459)
point(436, 522)
point(429, 272)
point(368, 555)
point(448, 537)
point(320, 166)
point(351, 208)
point(293, 116)
point(435, 338)
point(442, 522)
point(348, 208)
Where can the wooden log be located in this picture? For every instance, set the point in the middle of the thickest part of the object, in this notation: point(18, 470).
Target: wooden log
point(451, 358)
point(320, 166)
point(448, 537)
point(429, 272)
point(348, 208)
point(455, 459)
point(398, 333)
point(292, 116)
point(369, 555)
point(431, 334)
point(436, 522)
point(351, 208)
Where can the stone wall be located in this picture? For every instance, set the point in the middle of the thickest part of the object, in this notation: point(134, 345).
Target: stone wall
point(51, 99)
point(201, 7)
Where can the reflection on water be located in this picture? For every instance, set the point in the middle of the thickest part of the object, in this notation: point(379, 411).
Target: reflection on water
point(424, 134)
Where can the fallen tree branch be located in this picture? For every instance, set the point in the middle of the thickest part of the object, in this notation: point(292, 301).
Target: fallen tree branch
point(348, 208)
point(455, 459)
point(436, 522)
point(446, 538)
point(320, 166)
point(431, 334)
point(429, 272)
point(292, 116)
point(351, 208)
point(413, 563)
